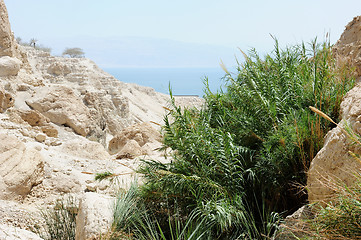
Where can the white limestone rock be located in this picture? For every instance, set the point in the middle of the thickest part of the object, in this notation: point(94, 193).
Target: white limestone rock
point(20, 168)
point(95, 216)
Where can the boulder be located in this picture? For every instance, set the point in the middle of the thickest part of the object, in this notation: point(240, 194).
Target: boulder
point(130, 150)
point(20, 168)
point(141, 133)
point(40, 137)
point(7, 42)
point(62, 106)
point(95, 216)
point(14, 233)
point(9, 66)
point(6, 100)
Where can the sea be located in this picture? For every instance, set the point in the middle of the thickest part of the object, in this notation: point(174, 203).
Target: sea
point(182, 81)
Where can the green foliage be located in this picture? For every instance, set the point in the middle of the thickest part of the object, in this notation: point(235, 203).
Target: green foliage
point(240, 159)
point(133, 221)
point(74, 52)
point(103, 175)
point(59, 220)
point(32, 43)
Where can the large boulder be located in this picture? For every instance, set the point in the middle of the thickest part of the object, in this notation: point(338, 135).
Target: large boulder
point(95, 216)
point(140, 134)
point(62, 106)
point(6, 100)
point(20, 168)
point(9, 66)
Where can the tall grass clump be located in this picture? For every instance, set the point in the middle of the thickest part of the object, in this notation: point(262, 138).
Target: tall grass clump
point(340, 218)
point(132, 220)
point(59, 221)
point(239, 162)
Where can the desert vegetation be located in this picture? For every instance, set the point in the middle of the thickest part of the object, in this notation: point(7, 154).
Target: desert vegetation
point(73, 52)
point(239, 164)
point(33, 43)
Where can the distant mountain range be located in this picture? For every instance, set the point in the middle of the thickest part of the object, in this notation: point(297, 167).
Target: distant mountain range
point(145, 52)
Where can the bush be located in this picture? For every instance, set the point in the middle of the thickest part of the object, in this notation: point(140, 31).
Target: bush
point(239, 161)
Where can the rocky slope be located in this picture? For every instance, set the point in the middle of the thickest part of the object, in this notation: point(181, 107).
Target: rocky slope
point(61, 121)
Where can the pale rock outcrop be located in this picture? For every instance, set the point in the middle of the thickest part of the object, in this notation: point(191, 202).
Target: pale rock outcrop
point(95, 216)
point(349, 44)
point(9, 66)
point(20, 168)
point(6, 99)
point(13, 233)
point(62, 106)
point(110, 112)
point(58, 68)
point(7, 42)
point(140, 133)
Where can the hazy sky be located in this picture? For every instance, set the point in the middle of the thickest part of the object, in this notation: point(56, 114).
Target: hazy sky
point(228, 23)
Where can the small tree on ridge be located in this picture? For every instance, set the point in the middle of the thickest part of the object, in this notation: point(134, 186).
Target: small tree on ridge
point(74, 52)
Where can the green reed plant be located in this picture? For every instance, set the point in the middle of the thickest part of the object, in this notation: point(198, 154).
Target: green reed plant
point(239, 160)
point(60, 220)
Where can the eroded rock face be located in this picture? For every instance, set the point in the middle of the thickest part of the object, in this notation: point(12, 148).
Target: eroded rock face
point(58, 68)
point(348, 46)
point(20, 168)
point(140, 134)
point(6, 100)
point(7, 43)
point(95, 216)
point(63, 107)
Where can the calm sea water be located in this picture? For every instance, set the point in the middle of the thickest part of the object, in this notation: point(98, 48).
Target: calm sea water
point(183, 81)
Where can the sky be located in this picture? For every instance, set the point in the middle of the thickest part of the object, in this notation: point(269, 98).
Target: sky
point(165, 33)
